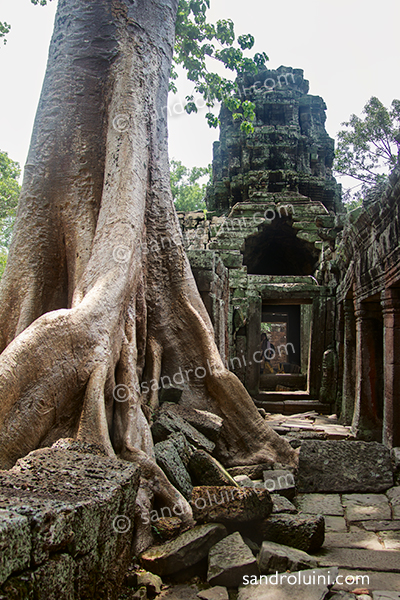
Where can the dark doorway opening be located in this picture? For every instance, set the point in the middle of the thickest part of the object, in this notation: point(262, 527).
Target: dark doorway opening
point(276, 250)
point(288, 329)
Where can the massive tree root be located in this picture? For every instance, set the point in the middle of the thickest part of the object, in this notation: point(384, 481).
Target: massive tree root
point(98, 300)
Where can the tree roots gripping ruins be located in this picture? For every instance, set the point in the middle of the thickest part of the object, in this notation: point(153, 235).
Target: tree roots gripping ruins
point(85, 306)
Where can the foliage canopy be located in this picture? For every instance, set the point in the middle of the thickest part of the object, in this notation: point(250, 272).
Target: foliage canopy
point(9, 193)
point(187, 192)
point(197, 43)
point(368, 147)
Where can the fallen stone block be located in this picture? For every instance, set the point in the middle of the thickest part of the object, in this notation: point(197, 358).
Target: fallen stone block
point(215, 593)
point(15, 543)
point(184, 551)
point(394, 498)
point(169, 460)
point(167, 528)
point(278, 558)
point(344, 466)
point(223, 504)
point(207, 423)
point(282, 505)
point(185, 450)
point(251, 471)
point(168, 423)
point(229, 560)
point(206, 470)
point(281, 482)
point(151, 582)
point(304, 532)
point(302, 585)
point(74, 503)
point(140, 594)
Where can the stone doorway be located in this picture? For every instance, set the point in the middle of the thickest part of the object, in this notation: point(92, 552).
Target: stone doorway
point(288, 329)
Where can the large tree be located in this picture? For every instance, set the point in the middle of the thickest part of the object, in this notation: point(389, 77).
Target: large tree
point(98, 298)
point(368, 146)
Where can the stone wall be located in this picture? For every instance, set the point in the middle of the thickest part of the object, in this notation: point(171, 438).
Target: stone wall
point(66, 524)
point(368, 331)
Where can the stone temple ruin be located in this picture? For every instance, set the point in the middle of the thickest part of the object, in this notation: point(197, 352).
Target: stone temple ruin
point(277, 253)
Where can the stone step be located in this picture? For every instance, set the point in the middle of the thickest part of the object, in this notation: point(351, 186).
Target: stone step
point(290, 406)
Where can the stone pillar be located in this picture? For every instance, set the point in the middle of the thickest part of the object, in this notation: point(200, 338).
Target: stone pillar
point(252, 376)
point(349, 363)
point(391, 408)
point(369, 340)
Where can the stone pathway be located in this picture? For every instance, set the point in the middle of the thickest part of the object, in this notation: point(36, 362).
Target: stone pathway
point(362, 536)
point(310, 424)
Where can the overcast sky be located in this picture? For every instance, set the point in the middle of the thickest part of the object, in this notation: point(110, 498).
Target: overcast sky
point(349, 50)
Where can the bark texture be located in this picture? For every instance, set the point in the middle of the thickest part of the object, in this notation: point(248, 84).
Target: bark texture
point(98, 300)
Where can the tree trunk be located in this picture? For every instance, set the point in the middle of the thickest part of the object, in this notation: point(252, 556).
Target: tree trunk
point(98, 299)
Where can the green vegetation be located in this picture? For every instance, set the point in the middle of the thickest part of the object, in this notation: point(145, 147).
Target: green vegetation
point(4, 29)
point(198, 44)
point(187, 192)
point(9, 193)
point(368, 147)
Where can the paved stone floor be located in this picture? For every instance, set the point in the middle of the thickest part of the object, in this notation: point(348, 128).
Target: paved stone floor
point(362, 535)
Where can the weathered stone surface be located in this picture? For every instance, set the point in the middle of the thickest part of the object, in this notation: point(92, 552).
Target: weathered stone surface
point(168, 422)
point(55, 578)
point(184, 449)
point(356, 538)
point(184, 551)
point(320, 504)
point(385, 595)
point(380, 525)
point(394, 498)
point(276, 557)
point(335, 524)
point(206, 470)
point(15, 543)
point(360, 559)
point(140, 594)
point(76, 504)
point(223, 504)
point(282, 505)
point(252, 471)
point(298, 531)
point(281, 482)
point(361, 507)
point(391, 539)
point(344, 466)
point(150, 581)
point(168, 527)
point(287, 586)
point(169, 460)
point(215, 593)
point(229, 560)
point(207, 423)
point(396, 458)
